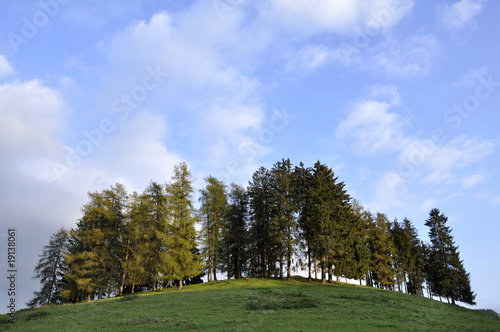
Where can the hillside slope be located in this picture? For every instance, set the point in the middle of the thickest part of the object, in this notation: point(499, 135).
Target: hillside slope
point(258, 305)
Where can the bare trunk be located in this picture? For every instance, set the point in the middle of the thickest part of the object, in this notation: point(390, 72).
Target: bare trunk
point(309, 263)
point(180, 284)
point(323, 272)
point(315, 269)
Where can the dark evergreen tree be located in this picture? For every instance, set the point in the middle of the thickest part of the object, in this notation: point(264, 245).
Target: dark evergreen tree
point(234, 243)
point(261, 229)
point(284, 208)
point(50, 270)
point(445, 270)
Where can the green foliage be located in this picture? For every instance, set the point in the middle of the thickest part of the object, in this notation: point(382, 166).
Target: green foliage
point(50, 270)
point(181, 258)
point(445, 271)
point(234, 251)
point(213, 211)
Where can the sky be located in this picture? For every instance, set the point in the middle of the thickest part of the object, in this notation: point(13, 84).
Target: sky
point(399, 97)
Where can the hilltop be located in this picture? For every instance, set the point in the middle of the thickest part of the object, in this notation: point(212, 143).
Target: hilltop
point(258, 305)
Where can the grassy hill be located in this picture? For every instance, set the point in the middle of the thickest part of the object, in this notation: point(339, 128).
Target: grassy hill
point(258, 305)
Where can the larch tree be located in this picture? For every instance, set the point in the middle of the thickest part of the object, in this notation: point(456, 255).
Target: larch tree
point(382, 252)
point(213, 209)
point(96, 248)
point(182, 258)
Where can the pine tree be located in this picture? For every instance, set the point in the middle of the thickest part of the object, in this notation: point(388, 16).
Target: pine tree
point(50, 270)
point(213, 208)
point(445, 270)
point(181, 256)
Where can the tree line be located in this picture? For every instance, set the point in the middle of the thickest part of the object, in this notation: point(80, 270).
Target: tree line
point(288, 218)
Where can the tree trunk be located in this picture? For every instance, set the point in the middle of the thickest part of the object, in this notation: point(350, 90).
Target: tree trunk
point(180, 284)
point(323, 272)
point(133, 287)
point(315, 269)
point(289, 266)
point(309, 263)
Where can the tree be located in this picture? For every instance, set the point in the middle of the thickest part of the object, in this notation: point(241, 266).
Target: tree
point(181, 254)
point(213, 210)
point(284, 207)
point(382, 252)
point(261, 231)
point(234, 242)
point(325, 210)
point(50, 270)
point(445, 270)
point(96, 248)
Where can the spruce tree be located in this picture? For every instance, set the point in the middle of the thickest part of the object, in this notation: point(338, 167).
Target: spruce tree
point(261, 229)
point(50, 270)
point(445, 270)
point(284, 211)
point(234, 243)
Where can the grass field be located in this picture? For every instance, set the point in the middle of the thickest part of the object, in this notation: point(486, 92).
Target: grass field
point(257, 305)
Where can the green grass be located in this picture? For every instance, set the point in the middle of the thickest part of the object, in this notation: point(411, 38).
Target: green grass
point(258, 305)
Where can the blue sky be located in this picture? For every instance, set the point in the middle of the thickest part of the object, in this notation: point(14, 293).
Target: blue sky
point(399, 97)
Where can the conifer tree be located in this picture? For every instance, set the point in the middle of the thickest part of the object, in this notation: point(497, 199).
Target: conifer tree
point(261, 231)
point(445, 270)
point(96, 248)
point(213, 208)
point(50, 270)
point(284, 207)
point(181, 258)
point(234, 243)
point(381, 247)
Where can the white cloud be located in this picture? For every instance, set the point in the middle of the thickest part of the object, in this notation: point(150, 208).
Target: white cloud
point(5, 68)
point(471, 77)
point(459, 153)
point(30, 116)
point(311, 57)
point(310, 17)
point(471, 181)
point(371, 127)
point(460, 13)
point(409, 58)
